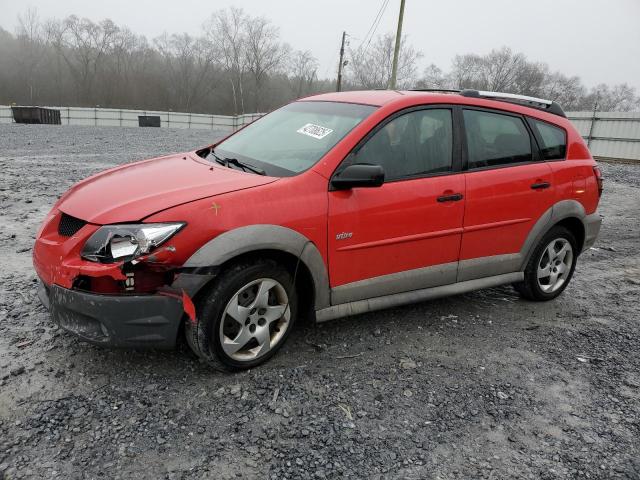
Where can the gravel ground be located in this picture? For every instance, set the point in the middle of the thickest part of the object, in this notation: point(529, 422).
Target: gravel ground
point(483, 385)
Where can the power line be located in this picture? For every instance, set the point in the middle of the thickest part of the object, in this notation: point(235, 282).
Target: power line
point(374, 25)
point(377, 25)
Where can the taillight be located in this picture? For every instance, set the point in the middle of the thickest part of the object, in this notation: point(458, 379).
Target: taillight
point(598, 174)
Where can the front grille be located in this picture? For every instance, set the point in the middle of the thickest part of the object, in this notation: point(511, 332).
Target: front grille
point(69, 225)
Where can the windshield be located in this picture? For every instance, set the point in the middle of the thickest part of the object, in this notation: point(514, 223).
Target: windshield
point(294, 137)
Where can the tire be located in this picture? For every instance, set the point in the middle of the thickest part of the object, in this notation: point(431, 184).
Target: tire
point(539, 286)
point(245, 316)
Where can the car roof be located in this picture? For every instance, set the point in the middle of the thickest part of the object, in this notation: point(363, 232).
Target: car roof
point(367, 97)
point(405, 98)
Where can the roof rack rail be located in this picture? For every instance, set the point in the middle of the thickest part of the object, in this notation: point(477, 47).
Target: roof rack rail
point(446, 90)
point(533, 102)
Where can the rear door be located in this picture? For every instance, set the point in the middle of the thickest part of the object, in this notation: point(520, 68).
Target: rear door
point(404, 235)
point(508, 188)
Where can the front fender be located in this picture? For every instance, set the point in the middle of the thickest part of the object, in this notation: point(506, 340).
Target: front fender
point(266, 237)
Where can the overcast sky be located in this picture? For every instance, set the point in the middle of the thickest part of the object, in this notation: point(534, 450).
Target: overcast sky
point(598, 40)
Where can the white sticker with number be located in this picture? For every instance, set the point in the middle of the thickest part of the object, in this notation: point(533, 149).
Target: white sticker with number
point(315, 131)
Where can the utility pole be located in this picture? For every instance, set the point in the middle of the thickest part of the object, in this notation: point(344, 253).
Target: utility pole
point(341, 64)
point(396, 50)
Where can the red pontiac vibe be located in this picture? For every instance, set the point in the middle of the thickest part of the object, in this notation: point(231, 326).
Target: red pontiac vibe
point(334, 205)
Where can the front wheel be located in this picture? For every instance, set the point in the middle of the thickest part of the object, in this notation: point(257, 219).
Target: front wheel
point(551, 266)
point(246, 316)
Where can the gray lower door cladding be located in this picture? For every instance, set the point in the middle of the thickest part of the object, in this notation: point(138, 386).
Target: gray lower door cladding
point(405, 298)
point(488, 266)
point(416, 279)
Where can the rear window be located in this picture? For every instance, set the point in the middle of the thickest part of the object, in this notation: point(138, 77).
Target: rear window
point(554, 140)
point(494, 139)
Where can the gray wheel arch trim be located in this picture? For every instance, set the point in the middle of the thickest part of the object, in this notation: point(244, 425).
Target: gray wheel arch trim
point(251, 238)
point(556, 213)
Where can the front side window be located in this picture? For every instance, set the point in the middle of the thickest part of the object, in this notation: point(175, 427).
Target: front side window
point(294, 137)
point(494, 139)
point(554, 140)
point(414, 144)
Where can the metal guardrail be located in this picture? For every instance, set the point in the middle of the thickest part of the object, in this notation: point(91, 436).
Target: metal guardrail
point(129, 118)
point(610, 135)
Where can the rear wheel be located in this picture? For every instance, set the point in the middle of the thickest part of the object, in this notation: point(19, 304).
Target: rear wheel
point(551, 266)
point(246, 316)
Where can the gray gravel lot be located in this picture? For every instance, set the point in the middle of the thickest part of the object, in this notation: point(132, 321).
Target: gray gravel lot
point(483, 385)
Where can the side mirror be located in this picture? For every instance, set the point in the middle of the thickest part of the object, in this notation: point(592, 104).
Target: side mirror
point(359, 175)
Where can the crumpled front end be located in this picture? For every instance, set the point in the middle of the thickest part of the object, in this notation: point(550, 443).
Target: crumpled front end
point(56, 253)
point(122, 304)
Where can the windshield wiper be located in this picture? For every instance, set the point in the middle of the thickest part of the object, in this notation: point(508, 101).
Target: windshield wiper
point(247, 167)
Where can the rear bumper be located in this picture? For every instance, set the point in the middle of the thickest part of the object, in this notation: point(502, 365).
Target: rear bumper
point(592, 225)
point(136, 321)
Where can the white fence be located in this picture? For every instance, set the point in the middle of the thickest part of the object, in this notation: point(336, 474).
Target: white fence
point(113, 117)
point(613, 135)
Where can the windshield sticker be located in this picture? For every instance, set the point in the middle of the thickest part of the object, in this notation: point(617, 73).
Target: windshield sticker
point(315, 131)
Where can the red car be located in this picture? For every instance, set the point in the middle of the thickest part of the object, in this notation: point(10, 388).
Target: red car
point(334, 205)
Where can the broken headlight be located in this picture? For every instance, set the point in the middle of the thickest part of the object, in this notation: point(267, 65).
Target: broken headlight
point(113, 243)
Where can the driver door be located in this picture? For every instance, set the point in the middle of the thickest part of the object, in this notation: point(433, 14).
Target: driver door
point(404, 235)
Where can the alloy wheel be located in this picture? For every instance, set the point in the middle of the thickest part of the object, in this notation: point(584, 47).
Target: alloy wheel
point(255, 320)
point(555, 264)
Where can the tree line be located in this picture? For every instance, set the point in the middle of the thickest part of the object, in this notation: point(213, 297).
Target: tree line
point(238, 63)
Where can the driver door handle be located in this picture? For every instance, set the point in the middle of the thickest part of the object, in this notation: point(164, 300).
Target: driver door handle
point(540, 185)
point(450, 198)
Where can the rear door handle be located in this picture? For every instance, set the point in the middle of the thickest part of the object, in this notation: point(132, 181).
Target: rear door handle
point(450, 198)
point(540, 186)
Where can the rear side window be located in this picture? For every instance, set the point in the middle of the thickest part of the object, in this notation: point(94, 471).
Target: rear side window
point(494, 139)
point(554, 140)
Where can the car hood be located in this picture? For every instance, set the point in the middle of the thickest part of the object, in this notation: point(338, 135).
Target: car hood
point(135, 191)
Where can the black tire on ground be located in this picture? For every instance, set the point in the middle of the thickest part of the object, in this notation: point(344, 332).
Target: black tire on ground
point(530, 287)
point(204, 337)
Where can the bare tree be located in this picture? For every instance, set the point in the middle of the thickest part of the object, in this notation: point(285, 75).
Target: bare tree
point(567, 91)
point(433, 77)
point(302, 67)
point(227, 29)
point(32, 48)
point(465, 72)
point(371, 67)
point(83, 45)
point(190, 64)
point(118, 66)
point(265, 54)
point(503, 70)
point(620, 98)
point(530, 78)
point(500, 70)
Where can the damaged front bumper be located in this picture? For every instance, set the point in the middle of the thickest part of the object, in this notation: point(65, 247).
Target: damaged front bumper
point(120, 304)
point(131, 321)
